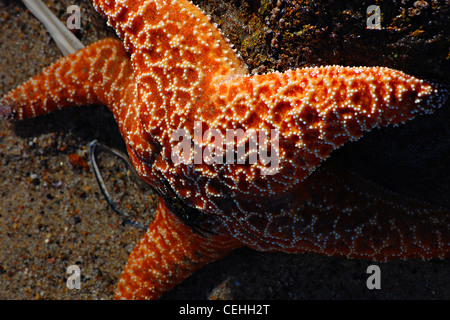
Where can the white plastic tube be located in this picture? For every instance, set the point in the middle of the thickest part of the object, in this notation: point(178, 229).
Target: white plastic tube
point(63, 37)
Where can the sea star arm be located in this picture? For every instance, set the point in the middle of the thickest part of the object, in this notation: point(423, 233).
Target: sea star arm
point(317, 110)
point(98, 74)
point(168, 253)
point(171, 35)
point(338, 213)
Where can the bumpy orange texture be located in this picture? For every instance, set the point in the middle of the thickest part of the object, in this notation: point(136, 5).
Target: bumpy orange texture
point(179, 70)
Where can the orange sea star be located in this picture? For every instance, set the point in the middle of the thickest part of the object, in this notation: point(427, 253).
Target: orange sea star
point(176, 69)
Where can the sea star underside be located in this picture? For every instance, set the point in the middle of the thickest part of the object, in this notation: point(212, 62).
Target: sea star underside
point(174, 69)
